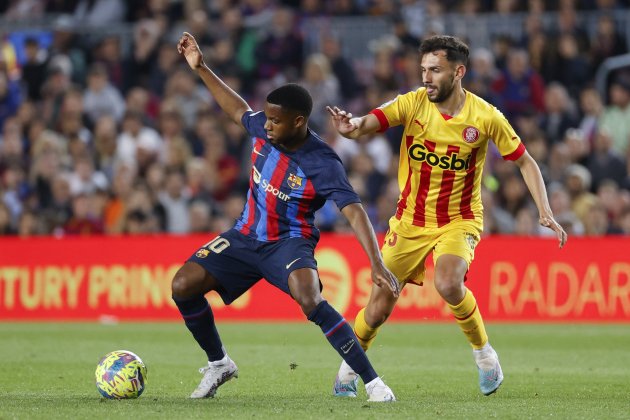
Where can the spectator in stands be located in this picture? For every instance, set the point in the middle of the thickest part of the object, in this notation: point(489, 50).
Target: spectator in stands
point(591, 107)
point(608, 42)
point(200, 217)
point(115, 210)
point(174, 197)
point(82, 222)
point(604, 163)
point(244, 42)
point(105, 132)
point(137, 144)
point(482, 73)
point(6, 226)
point(279, 52)
point(616, 117)
point(143, 212)
point(108, 52)
point(10, 96)
point(578, 184)
point(183, 95)
point(34, 68)
point(224, 167)
point(624, 221)
point(101, 97)
point(349, 85)
point(596, 220)
point(324, 87)
point(519, 87)
point(570, 66)
point(99, 12)
point(560, 202)
point(140, 63)
point(28, 224)
point(84, 179)
point(55, 214)
point(614, 200)
point(560, 113)
point(165, 64)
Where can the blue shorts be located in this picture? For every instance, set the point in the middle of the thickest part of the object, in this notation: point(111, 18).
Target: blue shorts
point(237, 262)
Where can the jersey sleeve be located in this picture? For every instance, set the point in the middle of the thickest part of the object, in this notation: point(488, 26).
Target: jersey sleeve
point(254, 123)
point(394, 112)
point(331, 183)
point(504, 136)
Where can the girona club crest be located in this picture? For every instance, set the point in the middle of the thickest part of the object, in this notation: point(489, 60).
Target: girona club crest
point(470, 134)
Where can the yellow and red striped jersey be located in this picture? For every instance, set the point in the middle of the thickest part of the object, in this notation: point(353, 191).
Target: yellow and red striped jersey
point(442, 157)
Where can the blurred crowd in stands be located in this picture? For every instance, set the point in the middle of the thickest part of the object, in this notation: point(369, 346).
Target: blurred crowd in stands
point(113, 134)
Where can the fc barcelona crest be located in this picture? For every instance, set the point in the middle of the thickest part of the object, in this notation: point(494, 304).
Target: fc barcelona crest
point(294, 181)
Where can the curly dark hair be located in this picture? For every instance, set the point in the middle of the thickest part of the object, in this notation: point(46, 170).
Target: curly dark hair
point(292, 97)
point(456, 49)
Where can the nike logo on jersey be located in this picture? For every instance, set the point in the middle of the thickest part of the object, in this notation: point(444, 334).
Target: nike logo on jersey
point(346, 347)
point(258, 153)
point(291, 263)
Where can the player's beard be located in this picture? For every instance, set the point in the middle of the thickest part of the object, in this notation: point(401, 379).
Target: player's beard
point(444, 91)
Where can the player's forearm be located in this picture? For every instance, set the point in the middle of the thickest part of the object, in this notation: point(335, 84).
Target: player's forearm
point(364, 126)
point(360, 223)
point(536, 185)
point(229, 101)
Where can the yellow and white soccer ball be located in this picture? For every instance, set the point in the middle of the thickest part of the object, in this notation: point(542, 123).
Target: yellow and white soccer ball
point(121, 374)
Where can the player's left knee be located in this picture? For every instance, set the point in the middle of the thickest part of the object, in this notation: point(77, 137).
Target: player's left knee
point(308, 302)
point(450, 287)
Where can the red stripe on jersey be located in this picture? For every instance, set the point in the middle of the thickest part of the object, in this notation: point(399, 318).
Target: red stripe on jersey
point(516, 154)
point(307, 199)
point(446, 116)
point(469, 183)
point(446, 188)
point(402, 203)
point(423, 187)
point(251, 204)
point(279, 176)
point(382, 119)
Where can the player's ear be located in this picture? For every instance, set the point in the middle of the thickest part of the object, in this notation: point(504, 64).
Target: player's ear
point(460, 71)
point(299, 121)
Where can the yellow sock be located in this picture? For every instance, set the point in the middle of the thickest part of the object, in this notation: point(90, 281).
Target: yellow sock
point(363, 331)
point(469, 319)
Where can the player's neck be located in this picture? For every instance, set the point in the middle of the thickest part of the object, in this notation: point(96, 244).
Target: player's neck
point(296, 142)
point(454, 104)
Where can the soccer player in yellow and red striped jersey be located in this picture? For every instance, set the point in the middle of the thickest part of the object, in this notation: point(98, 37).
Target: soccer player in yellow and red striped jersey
point(446, 135)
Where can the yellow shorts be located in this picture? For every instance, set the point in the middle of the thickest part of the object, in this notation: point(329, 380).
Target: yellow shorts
point(405, 256)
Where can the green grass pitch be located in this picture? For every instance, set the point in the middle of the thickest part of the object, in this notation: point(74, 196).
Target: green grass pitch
point(287, 371)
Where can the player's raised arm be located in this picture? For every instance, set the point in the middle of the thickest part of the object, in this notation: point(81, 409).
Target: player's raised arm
point(536, 185)
point(229, 101)
point(350, 127)
point(365, 234)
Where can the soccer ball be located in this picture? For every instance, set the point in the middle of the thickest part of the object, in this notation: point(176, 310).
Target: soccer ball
point(120, 374)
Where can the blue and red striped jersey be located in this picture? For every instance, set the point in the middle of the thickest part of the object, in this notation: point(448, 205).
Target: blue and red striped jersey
point(286, 188)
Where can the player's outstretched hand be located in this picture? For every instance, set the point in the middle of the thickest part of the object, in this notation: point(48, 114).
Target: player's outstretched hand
point(550, 222)
point(382, 277)
point(341, 120)
point(188, 47)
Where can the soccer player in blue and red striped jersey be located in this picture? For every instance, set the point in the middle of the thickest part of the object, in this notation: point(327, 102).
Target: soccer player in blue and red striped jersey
point(294, 172)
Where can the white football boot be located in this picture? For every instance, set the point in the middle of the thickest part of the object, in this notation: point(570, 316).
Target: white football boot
point(379, 392)
point(346, 382)
point(214, 375)
point(490, 373)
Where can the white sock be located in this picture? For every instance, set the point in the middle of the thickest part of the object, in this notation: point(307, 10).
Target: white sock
point(485, 357)
point(373, 382)
point(220, 362)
